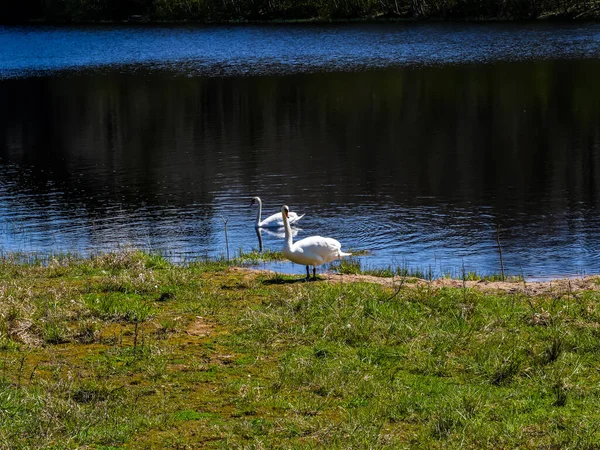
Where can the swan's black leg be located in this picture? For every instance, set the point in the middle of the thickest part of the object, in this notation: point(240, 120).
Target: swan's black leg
point(314, 273)
point(307, 273)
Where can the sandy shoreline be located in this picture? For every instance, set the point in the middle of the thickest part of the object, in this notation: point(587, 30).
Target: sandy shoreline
point(560, 287)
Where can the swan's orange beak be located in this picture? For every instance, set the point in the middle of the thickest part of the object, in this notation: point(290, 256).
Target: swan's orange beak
point(286, 214)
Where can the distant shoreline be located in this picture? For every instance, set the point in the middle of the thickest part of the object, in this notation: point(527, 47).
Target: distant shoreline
point(262, 12)
point(315, 21)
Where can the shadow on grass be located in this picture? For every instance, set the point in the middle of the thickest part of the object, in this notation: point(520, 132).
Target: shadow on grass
point(289, 280)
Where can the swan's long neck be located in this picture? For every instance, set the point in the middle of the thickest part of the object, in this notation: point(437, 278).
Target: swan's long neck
point(288, 231)
point(259, 212)
point(260, 241)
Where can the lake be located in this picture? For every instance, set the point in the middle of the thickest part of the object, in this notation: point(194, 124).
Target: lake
point(414, 142)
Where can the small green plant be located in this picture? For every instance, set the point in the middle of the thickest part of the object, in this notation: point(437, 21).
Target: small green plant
point(353, 266)
point(560, 392)
point(255, 257)
point(505, 370)
point(167, 325)
point(86, 331)
point(553, 349)
point(118, 306)
point(54, 332)
point(475, 276)
point(7, 344)
point(90, 392)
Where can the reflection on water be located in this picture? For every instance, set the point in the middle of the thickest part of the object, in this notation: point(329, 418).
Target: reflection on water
point(417, 165)
point(260, 240)
point(279, 233)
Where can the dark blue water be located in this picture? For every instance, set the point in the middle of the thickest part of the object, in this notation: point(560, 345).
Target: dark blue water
point(414, 142)
point(269, 49)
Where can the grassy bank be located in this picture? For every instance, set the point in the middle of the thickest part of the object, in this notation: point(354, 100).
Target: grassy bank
point(215, 11)
point(128, 350)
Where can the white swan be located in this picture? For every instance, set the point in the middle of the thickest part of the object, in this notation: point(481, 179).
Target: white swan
point(273, 221)
point(310, 251)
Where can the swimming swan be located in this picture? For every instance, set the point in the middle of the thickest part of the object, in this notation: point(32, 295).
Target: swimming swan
point(310, 251)
point(273, 221)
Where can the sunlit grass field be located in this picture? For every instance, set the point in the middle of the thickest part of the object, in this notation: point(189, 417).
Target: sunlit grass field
point(127, 350)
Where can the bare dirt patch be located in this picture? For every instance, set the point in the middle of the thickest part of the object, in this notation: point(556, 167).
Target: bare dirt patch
point(199, 327)
point(532, 288)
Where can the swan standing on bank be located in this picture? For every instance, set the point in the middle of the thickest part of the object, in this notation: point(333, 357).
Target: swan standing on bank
point(310, 251)
point(273, 221)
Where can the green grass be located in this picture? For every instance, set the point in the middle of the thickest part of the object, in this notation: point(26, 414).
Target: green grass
point(353, 266)
point(255, 257)
point(128, 350)
point(476, 276)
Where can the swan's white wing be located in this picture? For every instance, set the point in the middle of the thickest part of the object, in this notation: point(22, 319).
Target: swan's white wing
point(318, 242)
point(293, 217)
point(316, 250)
point(273, 221)
point(276, 221)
